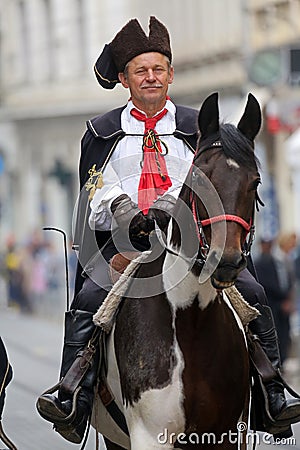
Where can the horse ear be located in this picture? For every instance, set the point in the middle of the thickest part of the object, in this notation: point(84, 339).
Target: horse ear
point(208, 119)
point(250, 122)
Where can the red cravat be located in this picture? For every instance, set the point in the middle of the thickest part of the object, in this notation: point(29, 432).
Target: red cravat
point(154, 180)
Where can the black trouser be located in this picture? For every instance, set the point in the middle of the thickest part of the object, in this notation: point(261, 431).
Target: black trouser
point(251, 290)
point(98, 283)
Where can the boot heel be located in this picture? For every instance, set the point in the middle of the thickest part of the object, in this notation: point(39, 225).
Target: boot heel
point(73, 432)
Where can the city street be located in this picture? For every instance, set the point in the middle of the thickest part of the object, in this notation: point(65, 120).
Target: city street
point(34, 347)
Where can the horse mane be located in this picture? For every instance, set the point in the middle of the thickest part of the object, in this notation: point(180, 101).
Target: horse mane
point(234, 145)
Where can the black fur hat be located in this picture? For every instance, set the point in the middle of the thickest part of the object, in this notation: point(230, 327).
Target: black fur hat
point(131, 41)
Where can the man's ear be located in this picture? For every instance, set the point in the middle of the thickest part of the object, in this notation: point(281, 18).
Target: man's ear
point(171, 75)
point(123, 79)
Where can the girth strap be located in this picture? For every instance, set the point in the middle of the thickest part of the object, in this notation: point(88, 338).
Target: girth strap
point(108, 401)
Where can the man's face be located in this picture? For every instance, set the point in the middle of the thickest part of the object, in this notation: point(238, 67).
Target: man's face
point(148, 77)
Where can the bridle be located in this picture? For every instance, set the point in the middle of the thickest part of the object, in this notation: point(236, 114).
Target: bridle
point(200, 224)
point(249, 227)
point(204, 248)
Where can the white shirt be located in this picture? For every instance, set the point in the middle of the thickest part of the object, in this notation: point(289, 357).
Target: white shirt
point(122, 173)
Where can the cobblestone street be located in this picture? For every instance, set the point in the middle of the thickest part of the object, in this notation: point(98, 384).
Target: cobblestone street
point(34, 348)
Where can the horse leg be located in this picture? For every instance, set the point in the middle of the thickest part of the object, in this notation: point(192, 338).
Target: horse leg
point(111, 446)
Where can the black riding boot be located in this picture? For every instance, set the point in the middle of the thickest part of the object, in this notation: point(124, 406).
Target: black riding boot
point(284, 412)
point(70, 410)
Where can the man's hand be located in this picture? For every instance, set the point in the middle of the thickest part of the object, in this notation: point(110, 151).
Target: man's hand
point(129, 217)
point(161, 211)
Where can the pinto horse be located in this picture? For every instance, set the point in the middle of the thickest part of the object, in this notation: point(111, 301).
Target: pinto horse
point(177, 355)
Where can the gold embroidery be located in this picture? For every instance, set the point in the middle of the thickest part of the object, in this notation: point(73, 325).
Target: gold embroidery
point(94, 182)
point(99, 183)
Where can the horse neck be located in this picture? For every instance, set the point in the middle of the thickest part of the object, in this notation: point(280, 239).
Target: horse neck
point(181, 283)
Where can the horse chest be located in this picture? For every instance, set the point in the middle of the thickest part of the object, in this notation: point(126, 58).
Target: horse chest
point(214, 354)
point(145, 346)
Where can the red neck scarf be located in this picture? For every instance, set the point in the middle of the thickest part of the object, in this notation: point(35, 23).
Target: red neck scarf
point(154, 180)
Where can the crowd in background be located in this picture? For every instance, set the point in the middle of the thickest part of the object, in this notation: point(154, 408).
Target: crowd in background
point(278, 270)
point(32, 274)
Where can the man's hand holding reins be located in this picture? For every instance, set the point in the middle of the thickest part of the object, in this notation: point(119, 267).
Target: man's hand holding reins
point(161, 211)
point(128, 216)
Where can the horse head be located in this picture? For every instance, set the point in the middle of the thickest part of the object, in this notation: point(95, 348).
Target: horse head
point(221, 190)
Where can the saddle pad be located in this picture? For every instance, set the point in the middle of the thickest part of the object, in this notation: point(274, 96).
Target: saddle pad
point(245, 311)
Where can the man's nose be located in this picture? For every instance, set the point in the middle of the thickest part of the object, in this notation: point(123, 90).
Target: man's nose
point(150, 75)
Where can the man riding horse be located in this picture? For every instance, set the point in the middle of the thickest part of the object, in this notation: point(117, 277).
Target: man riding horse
point(129, 178)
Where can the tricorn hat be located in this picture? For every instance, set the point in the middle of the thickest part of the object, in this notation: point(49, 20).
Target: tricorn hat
point(131, 41)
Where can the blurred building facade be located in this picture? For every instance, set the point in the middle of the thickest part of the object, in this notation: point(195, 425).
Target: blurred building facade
point(48, 90)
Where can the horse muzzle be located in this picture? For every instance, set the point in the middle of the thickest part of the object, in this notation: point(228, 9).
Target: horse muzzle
point(228, 270)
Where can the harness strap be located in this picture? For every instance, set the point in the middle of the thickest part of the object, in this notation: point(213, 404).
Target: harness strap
point(111, 406)
point(105, 393)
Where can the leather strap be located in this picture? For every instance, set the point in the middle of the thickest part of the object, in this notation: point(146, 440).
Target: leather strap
point(260, 360)
point(80, 366)
point(108, 401)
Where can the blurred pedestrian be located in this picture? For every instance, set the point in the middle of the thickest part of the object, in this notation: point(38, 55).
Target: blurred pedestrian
point(14, 267)
point(275, 271)
point(44, 269)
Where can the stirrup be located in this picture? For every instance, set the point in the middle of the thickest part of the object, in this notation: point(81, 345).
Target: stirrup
point(71, 416)
point(5, 439)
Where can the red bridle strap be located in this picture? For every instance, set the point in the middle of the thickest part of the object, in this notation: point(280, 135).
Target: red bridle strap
point(227, 218)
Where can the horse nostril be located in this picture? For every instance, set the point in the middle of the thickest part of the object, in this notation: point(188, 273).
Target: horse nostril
point(235, 262)
point(238, 261)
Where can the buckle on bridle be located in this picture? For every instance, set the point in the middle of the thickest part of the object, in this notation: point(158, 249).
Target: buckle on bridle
point(248, 244)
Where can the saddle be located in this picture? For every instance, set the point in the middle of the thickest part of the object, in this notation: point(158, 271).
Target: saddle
point(119, 263)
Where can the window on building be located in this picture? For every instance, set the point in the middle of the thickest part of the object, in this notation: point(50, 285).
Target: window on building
point(82, 35)
point(23, 49)
point(48, 39)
